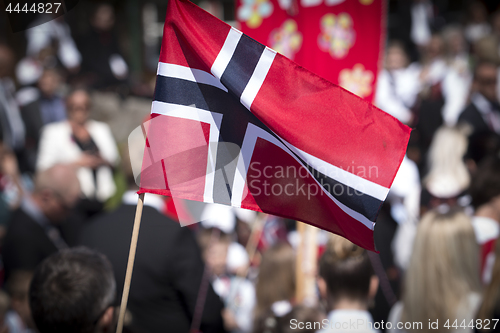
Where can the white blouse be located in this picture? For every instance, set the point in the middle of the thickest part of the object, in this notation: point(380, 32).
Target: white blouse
point(58, 147)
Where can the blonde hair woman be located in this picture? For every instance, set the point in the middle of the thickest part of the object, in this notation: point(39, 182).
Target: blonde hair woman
point(442, 282)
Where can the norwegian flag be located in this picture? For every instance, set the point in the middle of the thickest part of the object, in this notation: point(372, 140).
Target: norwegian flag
point(233, 122)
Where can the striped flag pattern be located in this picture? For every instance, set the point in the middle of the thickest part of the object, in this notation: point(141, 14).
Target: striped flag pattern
point(233, 122)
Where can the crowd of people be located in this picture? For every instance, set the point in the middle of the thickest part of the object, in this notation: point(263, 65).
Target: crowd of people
point(68, 199)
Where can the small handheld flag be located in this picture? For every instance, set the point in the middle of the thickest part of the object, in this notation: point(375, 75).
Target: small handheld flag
point(233, 122)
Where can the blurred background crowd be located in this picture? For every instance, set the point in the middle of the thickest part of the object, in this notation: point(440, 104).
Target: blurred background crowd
point(72, 90)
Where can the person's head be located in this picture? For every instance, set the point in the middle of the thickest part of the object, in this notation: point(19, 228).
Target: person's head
point(485, 185)
point(276, 280)
point(49, 82)
point(104, 17)
point(485, 49)
point(443, 269)
point(73, 291)
point(397, 57)
point(346, 277)
point(78, 106)
point(435, 47)
point(56, 191)
point(214, 245)
point(18, 286)
point(485, 80)
point(6, 60)
point(454, 40)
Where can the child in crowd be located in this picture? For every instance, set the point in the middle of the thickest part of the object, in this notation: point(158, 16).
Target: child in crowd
point(236, 291)
point(348, 284)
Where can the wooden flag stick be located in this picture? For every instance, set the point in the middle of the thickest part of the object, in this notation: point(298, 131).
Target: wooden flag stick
point(130, 264)
point(306, 265)
point(299, 274)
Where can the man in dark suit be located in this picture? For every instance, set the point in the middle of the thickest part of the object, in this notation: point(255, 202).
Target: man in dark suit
point(483, 113)
point(32, 234)
point(168, 267)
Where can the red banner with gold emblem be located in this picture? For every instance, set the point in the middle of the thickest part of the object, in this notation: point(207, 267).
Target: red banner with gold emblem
point(340, 40)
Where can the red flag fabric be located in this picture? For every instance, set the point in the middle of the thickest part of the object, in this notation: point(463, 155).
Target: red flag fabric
point(233, 122)
point(341, 41)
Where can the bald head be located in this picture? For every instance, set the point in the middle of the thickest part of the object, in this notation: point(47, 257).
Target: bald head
point(56, 191)
point(60, 178)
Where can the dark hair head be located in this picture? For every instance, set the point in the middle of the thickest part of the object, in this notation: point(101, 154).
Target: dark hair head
point(71, 290)
point(397, 43)
point(346, 269)
point(205, 238)
point(485, 184)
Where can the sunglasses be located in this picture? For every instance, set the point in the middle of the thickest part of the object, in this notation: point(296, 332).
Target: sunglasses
point(78, 107)
point(487, 81)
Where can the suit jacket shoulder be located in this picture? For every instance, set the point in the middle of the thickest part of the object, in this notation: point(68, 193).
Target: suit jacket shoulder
point(168, 269)
point(472, 116)
point(32, 119)
point(26, 244)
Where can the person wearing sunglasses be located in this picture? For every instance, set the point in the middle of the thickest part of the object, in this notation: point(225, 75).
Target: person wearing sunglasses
point(483, 113)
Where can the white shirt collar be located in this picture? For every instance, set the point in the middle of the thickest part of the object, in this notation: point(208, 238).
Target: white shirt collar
point(481, 103)
point(355, 321)
point(485, 229)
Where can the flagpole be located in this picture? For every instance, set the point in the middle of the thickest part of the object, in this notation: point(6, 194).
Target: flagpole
point(306, 265)
point(130, 264)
